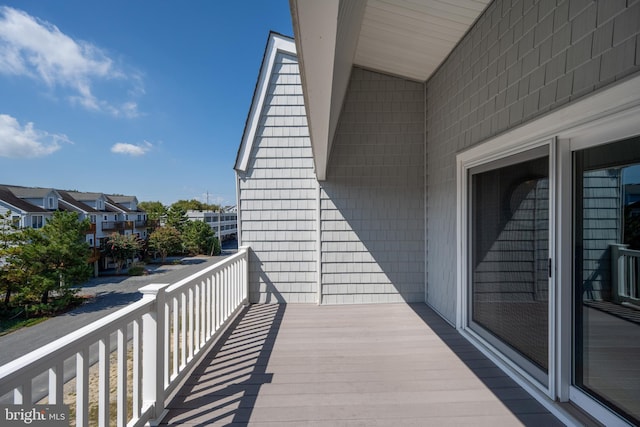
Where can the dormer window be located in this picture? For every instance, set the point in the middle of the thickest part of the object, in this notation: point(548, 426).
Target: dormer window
point(50, 202)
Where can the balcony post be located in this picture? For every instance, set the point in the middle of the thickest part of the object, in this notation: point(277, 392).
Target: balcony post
point(618, 271)
point(245, 274)
point(153, 324)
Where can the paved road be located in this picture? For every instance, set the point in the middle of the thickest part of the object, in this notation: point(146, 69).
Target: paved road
point(111, 294)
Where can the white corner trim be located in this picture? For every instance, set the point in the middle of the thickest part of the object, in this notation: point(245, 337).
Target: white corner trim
point(276, 44)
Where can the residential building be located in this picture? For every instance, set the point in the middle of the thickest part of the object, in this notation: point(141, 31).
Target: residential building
point(23, 213)
point(471, 157)
point(224, 223)
point(108, 214)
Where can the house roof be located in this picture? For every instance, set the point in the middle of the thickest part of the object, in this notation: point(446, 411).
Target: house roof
point(66, 198)
point(112, 207)
point(7, 196)
point(122, 199)
point(30, 192)
point(405, 38)
point(116, 205)
point(84, 196)
point(276, 43)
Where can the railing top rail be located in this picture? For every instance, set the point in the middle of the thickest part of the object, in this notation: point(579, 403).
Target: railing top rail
point(630, 252)
point(242, 251)
point(41, 357)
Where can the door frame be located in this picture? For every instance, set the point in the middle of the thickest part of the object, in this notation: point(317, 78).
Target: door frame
point(481, 155)
point(607, 115)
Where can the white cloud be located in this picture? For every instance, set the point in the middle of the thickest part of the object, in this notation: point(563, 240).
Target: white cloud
point(35, 48)
point(131, 149)
point(25, 141)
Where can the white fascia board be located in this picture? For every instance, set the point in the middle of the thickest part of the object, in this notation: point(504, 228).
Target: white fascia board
point(327, 34)
point(73, 207)
point(277, 43)
point(315, 25)
point(13, 208)
point(116, 207)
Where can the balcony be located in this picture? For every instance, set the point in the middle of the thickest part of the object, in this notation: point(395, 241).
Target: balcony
point(194, 353)
point(117, 225)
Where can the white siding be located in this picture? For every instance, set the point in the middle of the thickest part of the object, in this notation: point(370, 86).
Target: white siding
point(278, 195)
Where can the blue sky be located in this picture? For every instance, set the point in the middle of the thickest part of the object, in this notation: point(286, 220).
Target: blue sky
point(145, 98)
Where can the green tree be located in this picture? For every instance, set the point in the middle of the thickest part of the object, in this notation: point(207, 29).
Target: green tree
point(11, 277)
point(154, 210)
point(177, 217)
point(197, 238)
point(122, 247)
point(57, 255)
point(165, 240)
point(195, 205)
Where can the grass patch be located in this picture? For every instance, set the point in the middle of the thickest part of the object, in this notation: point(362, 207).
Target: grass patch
point(10, 325)
point(18, 317)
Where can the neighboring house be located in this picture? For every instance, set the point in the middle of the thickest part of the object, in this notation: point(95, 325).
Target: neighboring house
point(465, 156)
point(136, 219)
point(225, 223)
point(84, 211)
point(23, 213)
point(33, 206)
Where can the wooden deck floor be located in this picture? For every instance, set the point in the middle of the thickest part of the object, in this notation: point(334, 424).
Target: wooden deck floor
point(356, 365)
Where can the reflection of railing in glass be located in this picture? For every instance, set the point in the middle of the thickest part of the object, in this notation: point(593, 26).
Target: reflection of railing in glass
point(625, 272)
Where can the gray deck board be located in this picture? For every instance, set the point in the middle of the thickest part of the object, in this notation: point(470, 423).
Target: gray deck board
point(356, 365)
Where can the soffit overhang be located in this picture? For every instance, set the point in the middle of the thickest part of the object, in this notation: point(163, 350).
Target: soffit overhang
point(404, 38)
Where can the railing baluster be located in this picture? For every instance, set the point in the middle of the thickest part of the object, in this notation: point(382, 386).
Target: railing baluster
point(56, 383)
point(176, 336)
point(183, 329)
point(201, 313)
point(122, 377)
point(216, 302)
point(82, 387)
point(635, 285)
point(210, 305)
point(103, 381)
point(166, 343)
point(191, 325)
point(137, 369)
point(22, 394)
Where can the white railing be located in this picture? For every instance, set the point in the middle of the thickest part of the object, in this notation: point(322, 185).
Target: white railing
point(143, 351)
point(625, 274)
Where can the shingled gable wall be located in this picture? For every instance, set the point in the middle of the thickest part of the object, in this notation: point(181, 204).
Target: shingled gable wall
point(371, 241)
point(277, 194)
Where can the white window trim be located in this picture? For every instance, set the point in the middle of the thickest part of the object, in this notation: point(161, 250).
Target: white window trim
point(605, 116)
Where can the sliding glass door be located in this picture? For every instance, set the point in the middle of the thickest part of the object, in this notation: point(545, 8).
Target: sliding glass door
point(607, 275)
point(509, 258)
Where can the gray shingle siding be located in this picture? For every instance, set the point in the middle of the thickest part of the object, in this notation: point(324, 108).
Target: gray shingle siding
point(372, 218)
point(278, 195)
point(520, 60)
point(601, 200)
